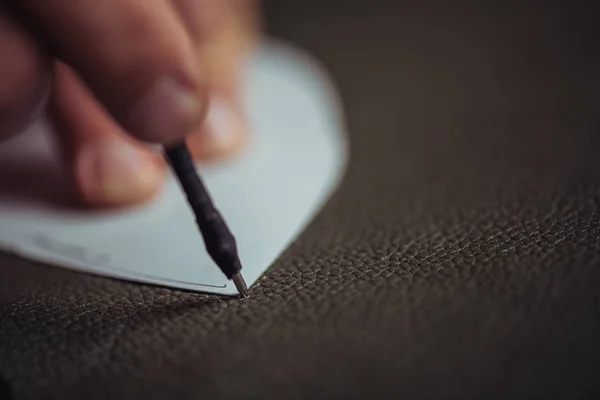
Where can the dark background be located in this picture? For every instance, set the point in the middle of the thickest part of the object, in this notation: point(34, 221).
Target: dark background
point(459, 259)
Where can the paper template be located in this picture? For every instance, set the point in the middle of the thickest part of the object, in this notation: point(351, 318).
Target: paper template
point(268, 193)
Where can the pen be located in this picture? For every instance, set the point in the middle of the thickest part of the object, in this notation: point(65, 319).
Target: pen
point(218, 239)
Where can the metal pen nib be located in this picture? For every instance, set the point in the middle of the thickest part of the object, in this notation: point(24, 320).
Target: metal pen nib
point(240, 284)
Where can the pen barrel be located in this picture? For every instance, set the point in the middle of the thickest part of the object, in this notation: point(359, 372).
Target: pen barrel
point(218, 239)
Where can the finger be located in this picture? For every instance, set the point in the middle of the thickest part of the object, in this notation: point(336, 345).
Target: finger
point(108, 167)
point(223, 32)
point(24, 77)
point(223, 50)
point(224, 132)
point(134, 55)
point(202, 18)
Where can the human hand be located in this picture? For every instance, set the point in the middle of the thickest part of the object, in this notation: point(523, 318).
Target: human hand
point(114, 74)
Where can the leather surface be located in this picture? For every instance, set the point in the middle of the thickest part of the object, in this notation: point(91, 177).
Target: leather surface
point(459, 259)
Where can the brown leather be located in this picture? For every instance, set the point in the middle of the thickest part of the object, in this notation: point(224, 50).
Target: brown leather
point(459, 259)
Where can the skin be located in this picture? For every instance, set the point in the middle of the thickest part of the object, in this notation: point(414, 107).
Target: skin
point(117, 75)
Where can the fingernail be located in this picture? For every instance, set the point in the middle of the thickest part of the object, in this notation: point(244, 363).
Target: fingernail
point(166, 113)
point(221, 122)
point(223, 132)
point(115, 173)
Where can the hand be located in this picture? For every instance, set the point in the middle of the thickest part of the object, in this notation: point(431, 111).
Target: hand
point(114, 74)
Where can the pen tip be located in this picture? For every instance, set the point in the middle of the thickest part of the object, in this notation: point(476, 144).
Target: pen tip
point(240, 285)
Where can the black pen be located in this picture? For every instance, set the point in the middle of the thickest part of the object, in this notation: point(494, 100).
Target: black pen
point(218, 239)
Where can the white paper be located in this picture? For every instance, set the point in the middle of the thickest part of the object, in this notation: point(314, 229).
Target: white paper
point(267, 194)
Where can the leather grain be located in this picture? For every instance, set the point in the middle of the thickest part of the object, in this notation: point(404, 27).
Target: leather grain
point(459, 259)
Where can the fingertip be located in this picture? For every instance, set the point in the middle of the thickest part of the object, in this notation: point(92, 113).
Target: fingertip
point(108, 167)
point(117, 173)
point(223, 133)
point(167, 112)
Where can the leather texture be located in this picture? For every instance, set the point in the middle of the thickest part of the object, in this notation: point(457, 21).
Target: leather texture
point(459, 259)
